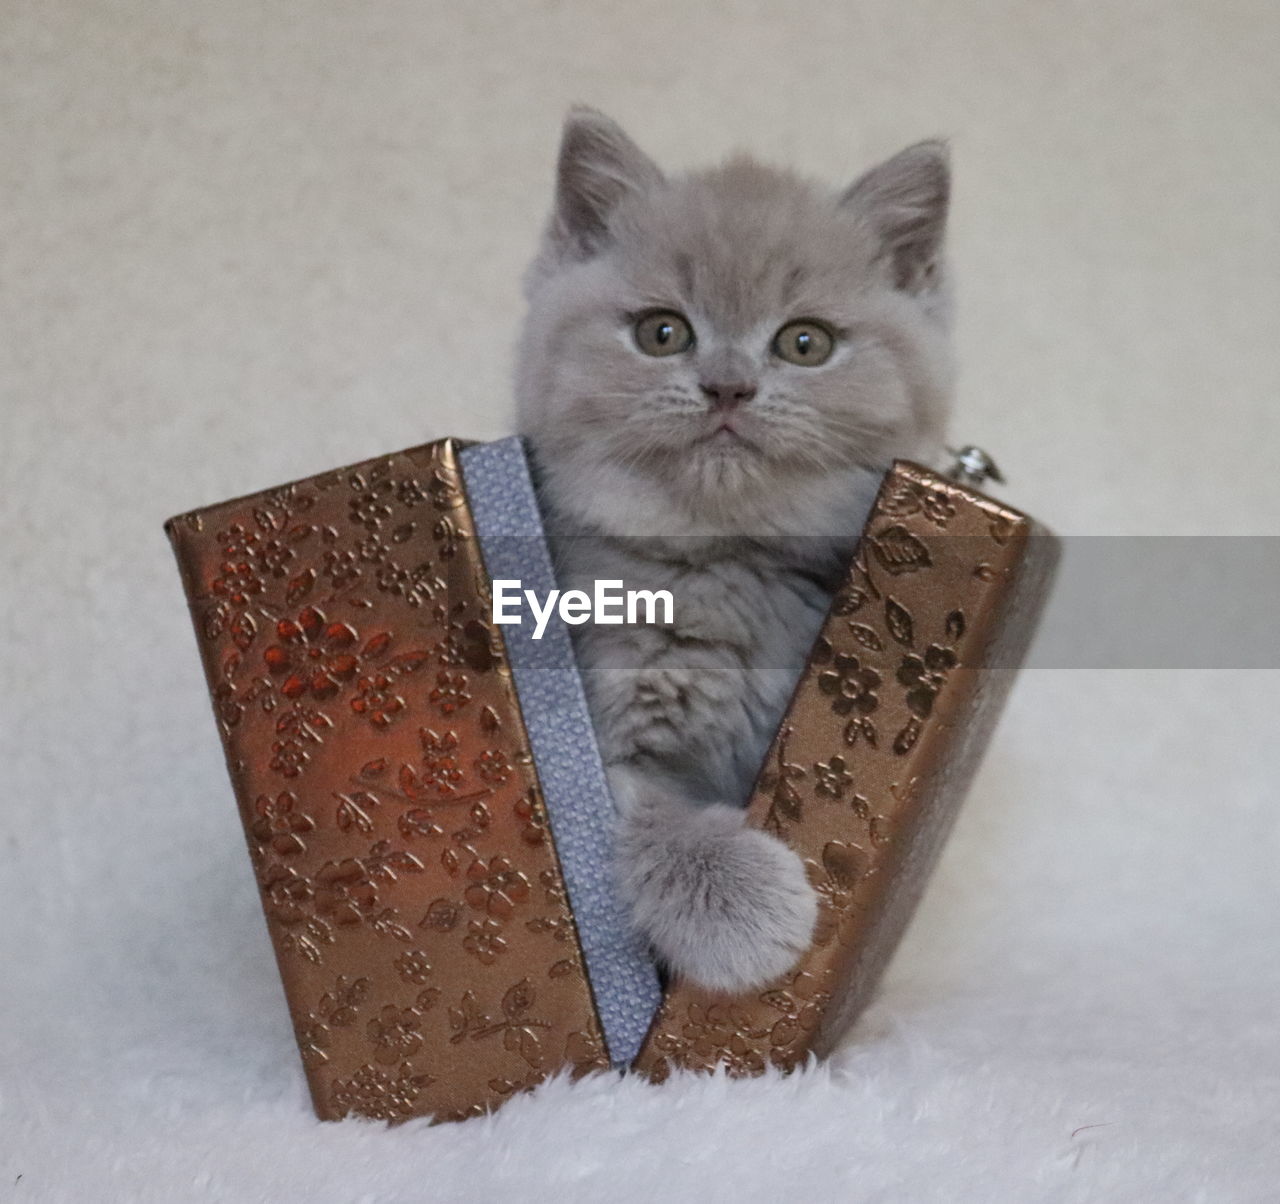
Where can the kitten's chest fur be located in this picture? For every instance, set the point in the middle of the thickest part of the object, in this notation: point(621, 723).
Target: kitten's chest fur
point(698, 701)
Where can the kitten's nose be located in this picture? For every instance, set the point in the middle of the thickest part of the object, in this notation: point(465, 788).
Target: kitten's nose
point(724, 395)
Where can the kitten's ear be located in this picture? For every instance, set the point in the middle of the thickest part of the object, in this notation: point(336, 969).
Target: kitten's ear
point(906, 200)
point(599, 165)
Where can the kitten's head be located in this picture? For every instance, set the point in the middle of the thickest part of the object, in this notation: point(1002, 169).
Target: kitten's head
point(735, 349)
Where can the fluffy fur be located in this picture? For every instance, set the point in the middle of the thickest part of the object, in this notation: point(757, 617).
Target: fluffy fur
point(725, 474)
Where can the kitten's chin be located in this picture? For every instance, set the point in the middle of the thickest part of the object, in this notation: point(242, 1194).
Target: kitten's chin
point(724, 489)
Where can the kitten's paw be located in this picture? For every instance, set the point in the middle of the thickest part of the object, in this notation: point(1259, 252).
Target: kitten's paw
point(725, 906)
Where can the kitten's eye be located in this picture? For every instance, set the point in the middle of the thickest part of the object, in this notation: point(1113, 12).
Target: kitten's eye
point(663, 333)
point(805, 343)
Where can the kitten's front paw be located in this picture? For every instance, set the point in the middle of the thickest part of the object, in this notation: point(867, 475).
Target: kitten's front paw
point(725, 906)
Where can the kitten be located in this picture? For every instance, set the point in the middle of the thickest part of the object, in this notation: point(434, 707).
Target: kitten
point(715, 371)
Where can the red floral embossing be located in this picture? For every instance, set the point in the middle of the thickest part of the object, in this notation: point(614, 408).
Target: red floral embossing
point(274, 557)
point(336, 643)
point(280, 824)
point(239, 542)
point(287, 893)
point(533, 814)
point(377, 701)
point(313, 653)
point(440, 772)
point(493, 765)
point(450, 693)
point(237, 582)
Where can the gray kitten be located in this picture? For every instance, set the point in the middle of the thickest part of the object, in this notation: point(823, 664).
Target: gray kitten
point(715, 371)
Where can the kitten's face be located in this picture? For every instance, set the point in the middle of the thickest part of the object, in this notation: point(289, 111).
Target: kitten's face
point(720, 348)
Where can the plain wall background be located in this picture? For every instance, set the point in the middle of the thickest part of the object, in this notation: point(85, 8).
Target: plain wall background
point(241, 243)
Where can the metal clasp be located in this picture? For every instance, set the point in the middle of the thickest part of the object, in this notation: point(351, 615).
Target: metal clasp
point(972, 466)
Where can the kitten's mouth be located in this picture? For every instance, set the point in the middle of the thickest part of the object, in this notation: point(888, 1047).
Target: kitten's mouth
point(725, 434)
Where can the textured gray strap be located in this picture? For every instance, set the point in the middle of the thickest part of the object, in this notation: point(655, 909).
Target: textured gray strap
point(623, 979)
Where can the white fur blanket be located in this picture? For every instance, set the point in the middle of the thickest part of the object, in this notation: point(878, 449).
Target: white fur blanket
point(1084, 1010)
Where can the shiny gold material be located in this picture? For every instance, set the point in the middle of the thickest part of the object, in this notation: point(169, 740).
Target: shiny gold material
point(873, 757)
point(382, 771)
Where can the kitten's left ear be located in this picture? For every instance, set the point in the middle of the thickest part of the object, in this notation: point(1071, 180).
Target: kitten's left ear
point(906, 200)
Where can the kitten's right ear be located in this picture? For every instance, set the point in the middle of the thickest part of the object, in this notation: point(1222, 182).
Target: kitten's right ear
point(599, 165)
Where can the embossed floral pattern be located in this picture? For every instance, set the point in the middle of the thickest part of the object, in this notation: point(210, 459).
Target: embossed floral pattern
point(410, 493)
point(395, 1034)
point(381, 1094)
point(416, 585)
point(441, 772)
point(799, 1006)
point(239, 542)
point(274, 557)
point(843, 864)
point(780, 782)
point(300, 728)
point(484, 940)
point(345, 893)
point(288, 894)
point(372, 549)
point(314, 1039)
point(533, 815)
point(496, 887)
point(552, 887)
point(852, 687)
point(341, 567)
point(560, 927)
point(338, 1008)
point(443, 915)
point(832, 778)
point(519, 1030)
point(469, 643)
point(450, 693)
point(308, 940)
point(924, 676)
point(857, 734)
point(394, 819)
point(722, 1032)
point(377, 700)
point(281, 823)
point(413, 966)
point(371, 508)
point(745, 1036)
point(312, 655)
point(238, 582)
point(288, 757)
point(493, 765)
point(913, 497)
